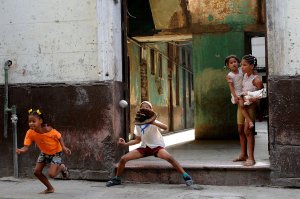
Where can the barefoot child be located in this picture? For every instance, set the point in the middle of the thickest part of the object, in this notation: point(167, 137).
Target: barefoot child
point(235, 80)
point(147, 131)
point(251, 82)
point(51, 144)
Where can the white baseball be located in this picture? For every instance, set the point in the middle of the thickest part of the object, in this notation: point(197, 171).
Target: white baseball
point(123, 103)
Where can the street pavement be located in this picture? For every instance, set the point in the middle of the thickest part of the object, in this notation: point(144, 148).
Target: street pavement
point(76, 189)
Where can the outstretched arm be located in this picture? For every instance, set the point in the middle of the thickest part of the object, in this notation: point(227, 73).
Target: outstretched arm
point(131, 142)
point(65, 149)
point(24, 149)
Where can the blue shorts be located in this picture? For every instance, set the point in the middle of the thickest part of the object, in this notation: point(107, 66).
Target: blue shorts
point(50, 159)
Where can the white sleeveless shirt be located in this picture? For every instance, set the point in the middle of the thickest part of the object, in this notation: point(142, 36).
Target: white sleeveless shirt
point(237, 80)
point(248, 83)
point(150, 135)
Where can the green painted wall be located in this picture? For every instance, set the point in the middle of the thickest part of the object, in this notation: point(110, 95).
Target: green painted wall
point(158, 87)
point(215, 116)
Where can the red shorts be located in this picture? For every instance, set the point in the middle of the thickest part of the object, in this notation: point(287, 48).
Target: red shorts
point(148, 151)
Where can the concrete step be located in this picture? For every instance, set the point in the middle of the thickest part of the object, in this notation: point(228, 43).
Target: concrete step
point(216, 173)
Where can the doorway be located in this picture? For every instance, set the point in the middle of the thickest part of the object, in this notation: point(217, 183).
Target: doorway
point(174, 75)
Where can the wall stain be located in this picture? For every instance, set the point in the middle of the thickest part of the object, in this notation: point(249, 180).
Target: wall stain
point(82, 97)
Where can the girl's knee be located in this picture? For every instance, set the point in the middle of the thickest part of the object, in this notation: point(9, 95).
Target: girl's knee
point(37, 172)
point(51, 175)
point(123, 160)
point(241, 131)
point(168, 158)
point(248, 133)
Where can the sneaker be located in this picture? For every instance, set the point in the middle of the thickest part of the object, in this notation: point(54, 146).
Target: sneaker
point(188, 180)
point(113, 182)
point(65, 173)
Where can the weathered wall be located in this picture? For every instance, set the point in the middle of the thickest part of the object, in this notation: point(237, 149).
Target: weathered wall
point(222, 26)
point(230, 12)
point(39, 38)
point(215, 115)
point(67, 60)
point(157, 87)
point(87, 116)
point(284, 111)
point(169, 14)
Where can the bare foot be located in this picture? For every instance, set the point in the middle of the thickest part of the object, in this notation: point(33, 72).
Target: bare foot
point(249, 162)
point(47, 191)
point(240, 158)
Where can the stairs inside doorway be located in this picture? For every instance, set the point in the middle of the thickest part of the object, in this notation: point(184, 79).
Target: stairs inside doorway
point(205, 174)
point(209, 162)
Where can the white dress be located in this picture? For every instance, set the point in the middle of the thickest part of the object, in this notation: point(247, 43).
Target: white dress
point(237, 80)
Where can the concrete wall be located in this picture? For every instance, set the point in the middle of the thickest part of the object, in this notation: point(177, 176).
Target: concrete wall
point(231, 12)
point(67, 60)
point(39, 37)
point(283, 24)
point(215, 115)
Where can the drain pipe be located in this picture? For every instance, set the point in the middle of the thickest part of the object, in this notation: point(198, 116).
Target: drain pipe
point(14, 119)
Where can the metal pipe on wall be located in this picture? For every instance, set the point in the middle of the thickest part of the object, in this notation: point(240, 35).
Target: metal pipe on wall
point(7, 64)
point(14, 119)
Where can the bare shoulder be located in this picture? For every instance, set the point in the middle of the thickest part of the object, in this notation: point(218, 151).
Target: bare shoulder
point(258, 82)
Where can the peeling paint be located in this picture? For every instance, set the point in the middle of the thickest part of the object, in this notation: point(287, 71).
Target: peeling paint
point(223, 12)
point(81, 98)
point(215, 116)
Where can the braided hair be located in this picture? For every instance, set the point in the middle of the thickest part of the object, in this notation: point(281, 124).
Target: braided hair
point(251, 60)
point(226, 62)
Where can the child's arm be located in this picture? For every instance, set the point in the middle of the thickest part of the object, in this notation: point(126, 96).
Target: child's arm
point(259, 85)
point(65, 149)
point(160, 125)
point(24, 149)
point(131, 142)
point(231, 88)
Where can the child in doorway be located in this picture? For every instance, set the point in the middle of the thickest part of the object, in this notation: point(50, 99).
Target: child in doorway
point(147, 131)
point(251, 82)
point(51, 144)
point(235, 79)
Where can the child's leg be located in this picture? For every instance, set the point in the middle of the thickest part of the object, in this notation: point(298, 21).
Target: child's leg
point(250, 143)
point(250, 137)
point(38, 172)
point(55, 169)
point(245, 113)
point(163, 154)
point(57, 166)
point(132, 155)
point(243, 141)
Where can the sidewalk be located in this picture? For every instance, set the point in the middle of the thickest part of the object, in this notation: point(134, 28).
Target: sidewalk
point(73, 189)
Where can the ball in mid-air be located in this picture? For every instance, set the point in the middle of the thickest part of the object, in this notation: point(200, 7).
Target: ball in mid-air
point(123, 103)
